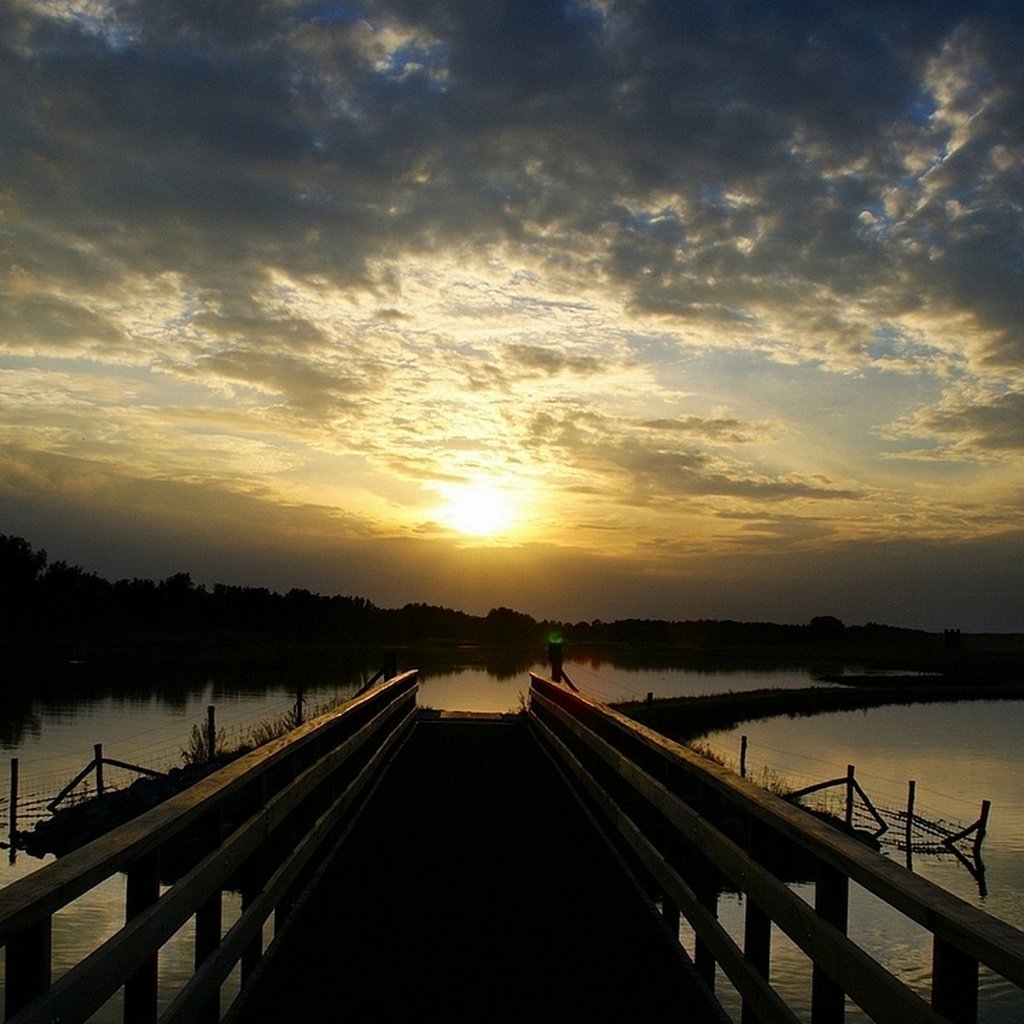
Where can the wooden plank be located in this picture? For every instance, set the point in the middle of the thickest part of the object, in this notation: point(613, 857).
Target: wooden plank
point(991, 941)
point(39, 895)
point(872, 987)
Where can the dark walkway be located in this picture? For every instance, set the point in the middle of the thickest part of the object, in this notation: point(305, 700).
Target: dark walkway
point(473, 888)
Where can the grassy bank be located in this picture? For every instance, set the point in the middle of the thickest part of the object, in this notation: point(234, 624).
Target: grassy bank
point(687, 718)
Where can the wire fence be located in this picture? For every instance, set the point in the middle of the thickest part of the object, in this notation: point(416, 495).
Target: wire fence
point(932, 828)
point(155, 750)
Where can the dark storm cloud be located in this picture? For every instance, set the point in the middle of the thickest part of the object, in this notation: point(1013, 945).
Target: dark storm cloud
point(217, 139)
point(995, 427)
point(551, 361)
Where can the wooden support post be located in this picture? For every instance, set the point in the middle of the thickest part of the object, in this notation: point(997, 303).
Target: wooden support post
point(28, 966)
point(909, 834)
point(757, 948)
point(142, 891)
point(298, 704)
point(850, 787)
point(706, 890)
point(650, 699)
point(97, 750)
point(211, 732)
point(12, 825)
point(832, 902)
point(253, 953)
point(390, 664)
point(954, 983)
point(743, 757)
point(209, 918)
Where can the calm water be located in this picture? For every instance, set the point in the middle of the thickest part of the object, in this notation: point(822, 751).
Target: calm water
point(958, 755)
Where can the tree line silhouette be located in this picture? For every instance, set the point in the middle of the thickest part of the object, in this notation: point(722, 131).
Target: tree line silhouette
point(37, 595)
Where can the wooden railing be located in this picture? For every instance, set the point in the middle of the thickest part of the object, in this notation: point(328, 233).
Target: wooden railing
point(692, 828)
point(260, 826)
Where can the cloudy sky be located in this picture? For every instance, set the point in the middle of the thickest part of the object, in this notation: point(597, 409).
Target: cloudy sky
point(589, 308)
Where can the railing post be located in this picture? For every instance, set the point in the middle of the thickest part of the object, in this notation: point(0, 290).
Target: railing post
point(28, 966)
point(832, 903)
point(555, 657)
point(142, 891)
point(954, 983)
point(97, 751)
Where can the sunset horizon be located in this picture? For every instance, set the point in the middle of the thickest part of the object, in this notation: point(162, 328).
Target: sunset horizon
point(590, 310)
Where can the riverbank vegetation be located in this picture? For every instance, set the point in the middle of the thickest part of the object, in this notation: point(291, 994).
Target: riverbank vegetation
point(686, 719)
point(59, 622)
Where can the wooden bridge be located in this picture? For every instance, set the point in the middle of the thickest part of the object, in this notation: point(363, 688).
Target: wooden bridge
point(396, 863)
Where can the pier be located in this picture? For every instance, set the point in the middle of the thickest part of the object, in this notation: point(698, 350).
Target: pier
point(567, 862)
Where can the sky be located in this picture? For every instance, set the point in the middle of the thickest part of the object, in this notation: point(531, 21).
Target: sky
point(592, 309)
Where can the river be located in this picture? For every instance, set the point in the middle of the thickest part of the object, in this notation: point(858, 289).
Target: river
point(958, 755)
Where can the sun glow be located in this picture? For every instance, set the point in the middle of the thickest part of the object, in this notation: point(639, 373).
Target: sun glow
point(479, 510)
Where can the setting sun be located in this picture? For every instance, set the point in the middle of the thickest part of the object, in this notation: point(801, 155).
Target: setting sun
point(478, 510)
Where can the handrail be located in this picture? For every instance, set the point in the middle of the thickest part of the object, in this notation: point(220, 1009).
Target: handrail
point(658, 770)
point(295, 775)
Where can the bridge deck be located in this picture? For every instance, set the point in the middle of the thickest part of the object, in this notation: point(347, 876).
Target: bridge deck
point(473, 887)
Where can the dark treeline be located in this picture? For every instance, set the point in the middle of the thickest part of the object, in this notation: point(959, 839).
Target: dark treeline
point(37, 595)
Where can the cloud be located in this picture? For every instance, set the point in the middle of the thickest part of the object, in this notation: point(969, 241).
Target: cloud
point(995, 427)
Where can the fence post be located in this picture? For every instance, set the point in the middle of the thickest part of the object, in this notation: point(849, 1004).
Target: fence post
point(979, 836)
point(298, 704)
point(211, 732)
point(97, 750)
point(911, 788)
point(743, 757)
point(13, 823)
point(849, 795)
